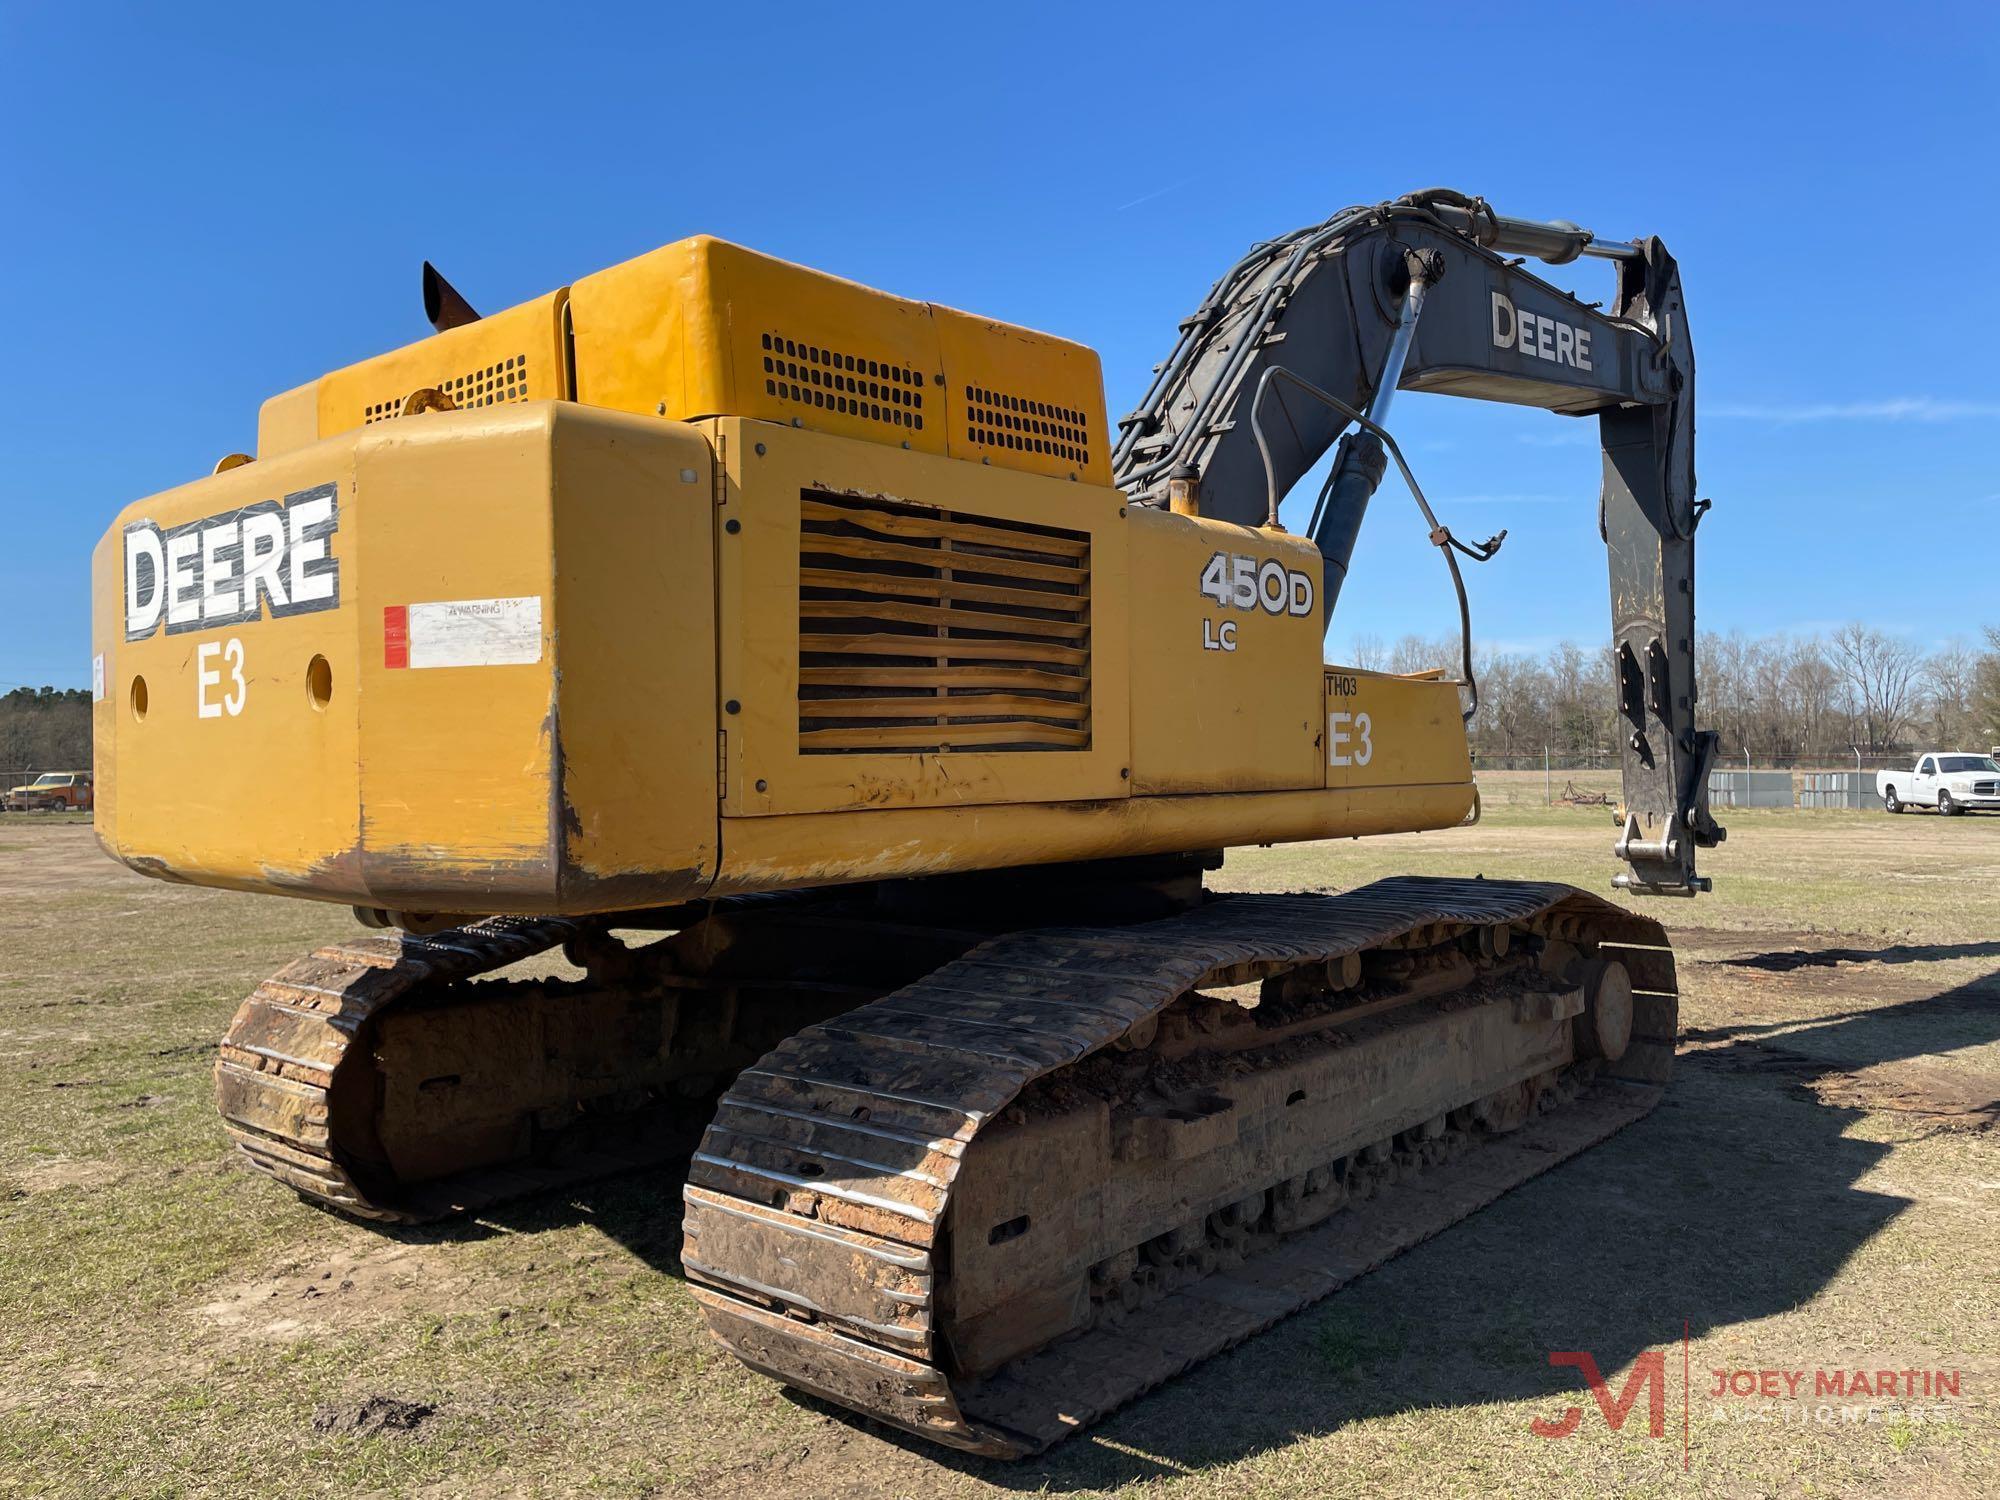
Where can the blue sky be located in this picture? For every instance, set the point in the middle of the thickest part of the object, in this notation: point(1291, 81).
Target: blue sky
point(207, 204)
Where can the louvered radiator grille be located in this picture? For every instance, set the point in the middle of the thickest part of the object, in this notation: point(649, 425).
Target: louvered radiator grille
point(924, 630)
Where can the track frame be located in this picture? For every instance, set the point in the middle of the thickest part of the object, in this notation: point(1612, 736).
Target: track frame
point(823, 1204)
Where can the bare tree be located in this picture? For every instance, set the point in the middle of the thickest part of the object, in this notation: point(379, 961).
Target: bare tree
point(1511, 720)
point(1949, 678)
point(1986, 690)
point(1578, 698)
point(1722, 675)
point(1879, 673)
point(1803, 701)
point(1415, 654)
point(1811, 687)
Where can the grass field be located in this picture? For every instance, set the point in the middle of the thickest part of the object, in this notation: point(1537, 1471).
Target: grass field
point(1821, 1191)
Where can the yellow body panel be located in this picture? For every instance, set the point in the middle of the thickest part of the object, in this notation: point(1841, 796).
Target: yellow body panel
point(686, 634)
point(444, 514)
point(1405, 731)
point(1022, 400)
point(703, 328)
point(637, 703)
point(543, 763)
point(824, 848)
point(768, 469)
point(1225, 694)
point(288, 420)
point(517, 355)
point(267, 796)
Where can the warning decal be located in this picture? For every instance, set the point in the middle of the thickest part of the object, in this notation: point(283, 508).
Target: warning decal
point(396, 636)
point(463, 633)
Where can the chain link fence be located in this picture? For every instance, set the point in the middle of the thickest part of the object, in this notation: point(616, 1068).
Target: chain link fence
point(1607, 760)
point(22, 777)
point(1592, 779)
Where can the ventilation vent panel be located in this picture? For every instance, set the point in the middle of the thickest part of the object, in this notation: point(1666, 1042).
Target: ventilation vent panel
point(936, 631)
point(505, 380)
point(1022, 424)
point(851, 384)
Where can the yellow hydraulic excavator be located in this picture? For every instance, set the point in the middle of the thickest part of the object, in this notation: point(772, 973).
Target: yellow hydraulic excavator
point(859, 712)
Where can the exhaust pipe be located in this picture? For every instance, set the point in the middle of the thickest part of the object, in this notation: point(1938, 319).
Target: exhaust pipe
point(442, 303)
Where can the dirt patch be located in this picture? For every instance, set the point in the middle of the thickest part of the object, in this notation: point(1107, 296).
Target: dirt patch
point(1944, 1097)
point(373, 1284)
point(373, 1416)
point(48, 1176)
point(1953, 1100)
point(58, 857)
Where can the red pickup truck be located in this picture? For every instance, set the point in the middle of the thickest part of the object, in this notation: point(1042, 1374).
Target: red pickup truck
point(52, 791)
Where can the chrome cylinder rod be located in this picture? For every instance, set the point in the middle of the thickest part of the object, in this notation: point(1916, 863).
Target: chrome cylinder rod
point(1358, 468)
point(1399, 349)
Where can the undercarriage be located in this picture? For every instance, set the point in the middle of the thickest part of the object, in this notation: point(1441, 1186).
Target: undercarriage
point(984, 1182)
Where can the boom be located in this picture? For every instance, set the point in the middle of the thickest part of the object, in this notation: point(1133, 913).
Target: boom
point(1308, 337)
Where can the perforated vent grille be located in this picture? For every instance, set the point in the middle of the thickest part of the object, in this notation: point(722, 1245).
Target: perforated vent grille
point(996, 419)
point(832, 380)
point(506, 380)
point(926, 630)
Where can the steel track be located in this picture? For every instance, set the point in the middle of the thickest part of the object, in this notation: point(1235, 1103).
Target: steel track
point(276, 1066)
point(818, 1207)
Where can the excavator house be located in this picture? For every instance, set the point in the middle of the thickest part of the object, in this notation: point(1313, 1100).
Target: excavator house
point(859, 712)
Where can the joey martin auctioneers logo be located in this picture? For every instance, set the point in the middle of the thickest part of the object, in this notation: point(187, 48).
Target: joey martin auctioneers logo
point(1822, 1397)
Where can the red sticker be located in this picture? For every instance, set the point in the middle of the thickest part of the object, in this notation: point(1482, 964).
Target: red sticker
point(396, 635)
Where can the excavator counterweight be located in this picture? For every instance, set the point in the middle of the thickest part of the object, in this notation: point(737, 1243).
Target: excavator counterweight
point(842, 639)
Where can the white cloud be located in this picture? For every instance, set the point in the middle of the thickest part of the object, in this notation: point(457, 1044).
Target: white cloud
point(1888, 409)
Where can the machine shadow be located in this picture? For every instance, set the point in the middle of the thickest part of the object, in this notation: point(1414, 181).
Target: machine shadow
point(1734, 1200)
point(1785, 960)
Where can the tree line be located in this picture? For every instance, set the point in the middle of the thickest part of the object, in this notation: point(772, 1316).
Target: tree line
point(45, 729)
point(1782, 699)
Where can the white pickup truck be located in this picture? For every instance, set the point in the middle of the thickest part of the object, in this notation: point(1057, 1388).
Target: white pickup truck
point(1951, 782)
